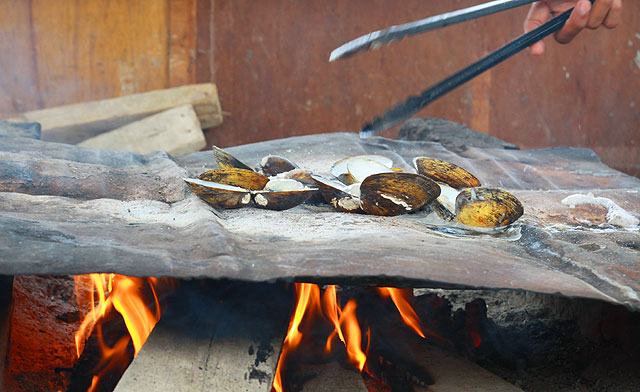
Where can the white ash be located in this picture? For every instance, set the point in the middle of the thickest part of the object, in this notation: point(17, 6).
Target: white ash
point(616, 215)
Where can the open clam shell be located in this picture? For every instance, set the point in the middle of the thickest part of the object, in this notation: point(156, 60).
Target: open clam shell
point(448, 173)
point(247, 179)
point(273, 165)
point(339, 196)
point(360, 168)
point(391, 194)
point(219, 195)
point(487, 207)
point(339, 169)
point(228, 161)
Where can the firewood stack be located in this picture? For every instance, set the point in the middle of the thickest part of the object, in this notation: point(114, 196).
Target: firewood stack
point(171, 120)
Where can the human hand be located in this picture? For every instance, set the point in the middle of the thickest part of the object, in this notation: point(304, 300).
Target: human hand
point(605, 13)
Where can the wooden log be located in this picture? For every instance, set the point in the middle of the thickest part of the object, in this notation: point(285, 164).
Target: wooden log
point(225, 339)
point(453, 373)
point(74, 123)
point(6, 310)
point(176, 131)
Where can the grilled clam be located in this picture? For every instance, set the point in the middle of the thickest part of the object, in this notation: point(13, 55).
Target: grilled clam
point(396, 193)
point(247, 179)
point(220, 195)
point(341, 197)
point(340, 168)
point(282, 194)
point(228, 161)
point(450, 177)
point(487, 207)
point(445, 172)
point(273, 165)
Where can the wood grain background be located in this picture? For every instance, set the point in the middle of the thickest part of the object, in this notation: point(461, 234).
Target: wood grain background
point(269, 60)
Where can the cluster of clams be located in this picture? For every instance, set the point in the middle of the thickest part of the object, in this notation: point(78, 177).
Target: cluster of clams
point(364, 183)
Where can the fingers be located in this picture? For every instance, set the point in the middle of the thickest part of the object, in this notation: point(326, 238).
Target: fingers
point(576, 22)
point(614, 16)
point(539, 13)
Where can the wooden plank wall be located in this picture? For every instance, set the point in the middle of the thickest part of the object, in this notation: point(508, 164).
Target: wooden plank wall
point(61, 52)
point(269, 60)
point(274, 79)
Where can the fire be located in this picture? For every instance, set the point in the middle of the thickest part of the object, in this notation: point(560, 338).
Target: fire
point(123, 294)
point(400, 299)
point(312, 305)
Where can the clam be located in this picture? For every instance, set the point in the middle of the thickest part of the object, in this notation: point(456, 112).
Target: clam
point(219, 195)
point(360, 168)
point(487, 207)
point(228, 161)
point(445, 172)
point(247, 179)
point(340, 170)
point(273, 165)
point(396, 193)
point(281, 194)
point(342, 198)
point(450, 177)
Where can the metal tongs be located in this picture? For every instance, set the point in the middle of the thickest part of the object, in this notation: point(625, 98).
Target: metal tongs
point(413, 104)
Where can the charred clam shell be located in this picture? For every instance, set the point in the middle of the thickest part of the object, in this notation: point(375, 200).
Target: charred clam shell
point(487, 207)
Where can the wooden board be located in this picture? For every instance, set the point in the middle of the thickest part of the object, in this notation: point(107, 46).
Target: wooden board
point(176, 131)
point(74, 123)
point(213, 343)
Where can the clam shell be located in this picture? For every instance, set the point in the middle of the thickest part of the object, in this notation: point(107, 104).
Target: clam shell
point(228, 161)
point(361, 168)
point(273, 165)
point(219, 195)
point(340, 167)
point(283, 185)
point(247, 179)
point(396, 193)
point(445, 172)
point(281, 200)
point(487, 207)
point(337, 195)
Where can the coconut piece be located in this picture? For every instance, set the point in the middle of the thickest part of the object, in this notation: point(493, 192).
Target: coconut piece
point(487, 207)
point(396, 193)
point(219, 195)
point(445, 172)
point(247, 179)
point(228, 161)
point(273, 165)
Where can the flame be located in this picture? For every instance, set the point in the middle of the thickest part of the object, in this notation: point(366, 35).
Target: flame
point(309, 303)
point(124, 295)
point(400, 299)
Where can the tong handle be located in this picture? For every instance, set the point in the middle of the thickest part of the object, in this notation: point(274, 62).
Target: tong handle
point(415, 103)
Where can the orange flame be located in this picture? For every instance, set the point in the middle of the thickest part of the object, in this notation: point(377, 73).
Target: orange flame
point(124, 294)
point(400, 299)
point(310, 304)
